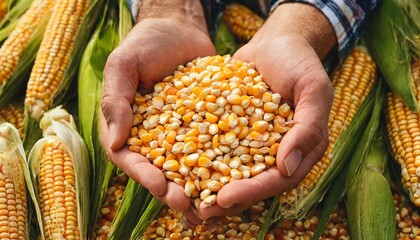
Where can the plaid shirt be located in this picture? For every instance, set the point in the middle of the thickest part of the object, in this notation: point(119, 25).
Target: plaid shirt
point(346, 16)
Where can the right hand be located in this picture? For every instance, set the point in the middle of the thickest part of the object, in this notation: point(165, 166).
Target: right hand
point(152, 50)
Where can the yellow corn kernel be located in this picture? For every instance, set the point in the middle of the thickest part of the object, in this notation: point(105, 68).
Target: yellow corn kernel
point(211, 117)
point(154, 153)
point(171, 165)
point(260, 126)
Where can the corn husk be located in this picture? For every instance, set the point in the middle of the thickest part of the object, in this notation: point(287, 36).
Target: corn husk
point(135, 201)
point(225, 42)
point(369, 200)
point(342, 182)
point(58, 124)
point(393, 37)
point(11, 148)
point(147, 217)
point(114, 25)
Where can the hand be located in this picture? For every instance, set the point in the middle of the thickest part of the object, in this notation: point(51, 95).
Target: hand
point(152, 50)
point(291, 66)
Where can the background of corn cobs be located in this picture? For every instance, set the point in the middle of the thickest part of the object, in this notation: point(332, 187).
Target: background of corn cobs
point(367, 186)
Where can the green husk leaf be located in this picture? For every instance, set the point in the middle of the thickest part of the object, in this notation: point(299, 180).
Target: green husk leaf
point(339, 186)
point(225, 41)
point(17, 82)
point(133, 204)
point(11, 144)
point(58, 124)
point(369, 199)
point(148, 215)
point(269, 218)
point(17, 8)
point(342, 151)
point(391, 39)
point(412, 9)
point(104, 40)
point(126, 21)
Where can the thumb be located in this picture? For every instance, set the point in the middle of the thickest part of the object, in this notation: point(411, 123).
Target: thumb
point(306, 141)
point(120, 85)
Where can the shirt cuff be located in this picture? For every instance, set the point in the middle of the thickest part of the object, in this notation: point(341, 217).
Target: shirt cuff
point(134, 6)
point(346, 17)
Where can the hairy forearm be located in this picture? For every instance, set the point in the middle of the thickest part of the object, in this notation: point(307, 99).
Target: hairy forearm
point(189, 11)
point(303, 20)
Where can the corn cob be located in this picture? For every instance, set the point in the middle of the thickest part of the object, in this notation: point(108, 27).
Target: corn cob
point(408, 219)
point(403, 127)
point(13, 198)
point(12, 49)
point(14, 115)
point(54, 55)
point(212, 122)
point(242, 22)
point(110, 205)
point(352, 82)
point(60, 171)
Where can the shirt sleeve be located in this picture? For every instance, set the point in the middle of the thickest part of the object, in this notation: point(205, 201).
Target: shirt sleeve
point(346, 16)
point(134, 6)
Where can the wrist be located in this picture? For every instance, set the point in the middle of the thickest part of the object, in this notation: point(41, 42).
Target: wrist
point(300, 20)
point(186, 12)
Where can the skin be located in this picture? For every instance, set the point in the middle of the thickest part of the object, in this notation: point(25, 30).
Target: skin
point(287, 51)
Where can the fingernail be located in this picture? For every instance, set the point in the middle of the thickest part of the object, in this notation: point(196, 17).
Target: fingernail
point(230, 205)
point(292, 161)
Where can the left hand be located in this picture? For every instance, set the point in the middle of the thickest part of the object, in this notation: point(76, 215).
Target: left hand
point(291, 66)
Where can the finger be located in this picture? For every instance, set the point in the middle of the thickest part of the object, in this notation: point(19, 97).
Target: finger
point(207, 212)
point(192, 219)
point(120, 85)
point(252, 190)
point(134, 165)
point(307, 140)
point(176, 198)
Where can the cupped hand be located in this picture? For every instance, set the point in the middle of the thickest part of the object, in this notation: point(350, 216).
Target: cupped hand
point(152, 50)
point(291, 67)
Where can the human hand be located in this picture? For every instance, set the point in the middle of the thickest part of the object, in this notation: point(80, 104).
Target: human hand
point(290, 64)
point(153, 49)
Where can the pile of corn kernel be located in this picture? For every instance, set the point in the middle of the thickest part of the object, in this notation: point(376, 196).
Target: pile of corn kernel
point(214, 121)
point(408, 218)
point(169, 225)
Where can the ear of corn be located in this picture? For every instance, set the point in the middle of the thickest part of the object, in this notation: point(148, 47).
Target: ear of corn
point(343, 180)
point(59, 168)
point(369, 200)
point(29, 25)
point(13, 114)
point(57, 59)
point(352, 82)
point(242, 22)
point(14, 177)
point(391, 37)
point(403, 127)
point(19, 50)
point(114, 24)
